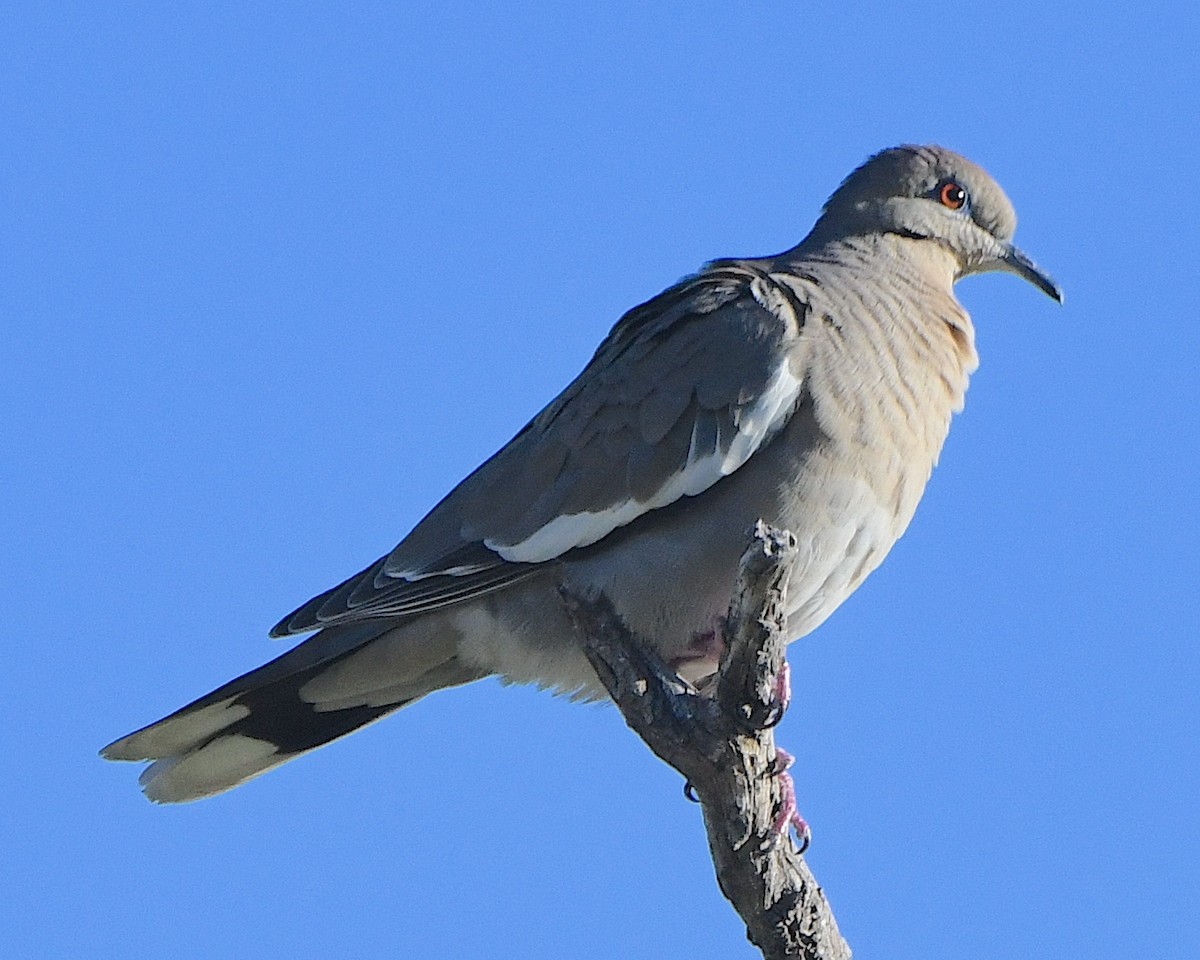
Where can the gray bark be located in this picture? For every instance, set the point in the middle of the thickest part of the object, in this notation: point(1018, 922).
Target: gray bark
point(721, 741)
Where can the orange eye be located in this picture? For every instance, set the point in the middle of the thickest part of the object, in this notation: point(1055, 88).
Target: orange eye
point(952, 195)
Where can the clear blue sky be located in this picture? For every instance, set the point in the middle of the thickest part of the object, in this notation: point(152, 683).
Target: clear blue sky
point(275, 277)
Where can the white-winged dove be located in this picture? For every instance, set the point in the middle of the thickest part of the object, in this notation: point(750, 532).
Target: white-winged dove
point(812, 389)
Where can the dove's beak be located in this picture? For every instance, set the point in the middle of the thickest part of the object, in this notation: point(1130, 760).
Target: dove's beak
point(1016, 262)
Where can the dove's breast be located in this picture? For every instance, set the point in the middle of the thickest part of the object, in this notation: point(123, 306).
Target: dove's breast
point(886, 368)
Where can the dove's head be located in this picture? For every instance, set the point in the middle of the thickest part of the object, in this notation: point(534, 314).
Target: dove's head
point(935, 196)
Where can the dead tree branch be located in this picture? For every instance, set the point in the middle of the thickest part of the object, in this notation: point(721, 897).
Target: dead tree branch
point(725, 748)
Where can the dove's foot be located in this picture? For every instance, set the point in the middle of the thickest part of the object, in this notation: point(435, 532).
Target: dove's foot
point(788, 817)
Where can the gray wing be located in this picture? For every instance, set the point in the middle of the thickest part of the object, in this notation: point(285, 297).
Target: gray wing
point(681, 393)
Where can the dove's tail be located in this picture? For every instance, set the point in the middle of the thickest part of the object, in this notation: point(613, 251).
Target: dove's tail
point(337, 681)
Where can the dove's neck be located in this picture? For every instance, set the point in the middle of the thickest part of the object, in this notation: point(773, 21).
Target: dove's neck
point(883, 253)
point(917, 273)
point(899, 293)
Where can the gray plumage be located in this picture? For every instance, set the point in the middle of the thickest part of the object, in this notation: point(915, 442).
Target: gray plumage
point(812, 389)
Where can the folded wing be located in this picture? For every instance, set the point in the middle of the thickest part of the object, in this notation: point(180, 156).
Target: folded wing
point(682, 392)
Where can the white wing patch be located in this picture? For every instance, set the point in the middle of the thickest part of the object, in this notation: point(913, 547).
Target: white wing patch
point(760, 422)
point(755, 425)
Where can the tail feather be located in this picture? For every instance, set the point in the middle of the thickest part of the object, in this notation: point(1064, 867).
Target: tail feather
point(266, 717)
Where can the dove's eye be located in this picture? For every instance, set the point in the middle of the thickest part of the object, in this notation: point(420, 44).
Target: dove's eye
point(952, 195)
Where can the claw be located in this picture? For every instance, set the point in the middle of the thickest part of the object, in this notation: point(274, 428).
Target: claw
point(783, 686)
point(689, 791)
point(783, 697)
